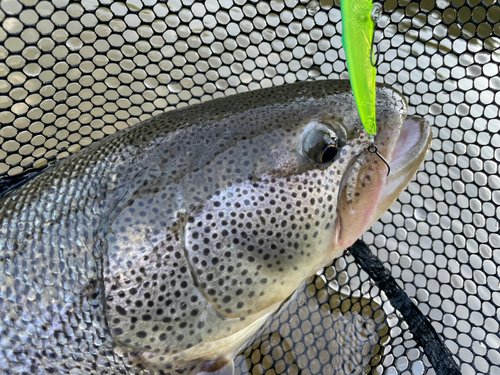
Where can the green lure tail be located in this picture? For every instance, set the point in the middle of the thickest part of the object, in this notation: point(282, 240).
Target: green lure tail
point(357, 38)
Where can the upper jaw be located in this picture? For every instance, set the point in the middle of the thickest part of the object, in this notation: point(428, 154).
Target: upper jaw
point(412, 145)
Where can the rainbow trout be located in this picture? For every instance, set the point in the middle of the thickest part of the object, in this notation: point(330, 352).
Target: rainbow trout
point(164, 247)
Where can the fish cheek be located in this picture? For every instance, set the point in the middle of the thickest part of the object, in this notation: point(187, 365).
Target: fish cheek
point(253, 245)
point(152, 303)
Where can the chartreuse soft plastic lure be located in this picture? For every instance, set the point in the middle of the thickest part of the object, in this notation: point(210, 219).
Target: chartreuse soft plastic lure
point(357, 38)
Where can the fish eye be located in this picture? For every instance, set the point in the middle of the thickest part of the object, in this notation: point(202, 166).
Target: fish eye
point(328, 154)
point(320, 144)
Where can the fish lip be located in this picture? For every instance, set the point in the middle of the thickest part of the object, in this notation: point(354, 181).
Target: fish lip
point(410, 145)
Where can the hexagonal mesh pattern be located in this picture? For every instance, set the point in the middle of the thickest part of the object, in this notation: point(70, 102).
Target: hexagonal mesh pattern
point(74, 72)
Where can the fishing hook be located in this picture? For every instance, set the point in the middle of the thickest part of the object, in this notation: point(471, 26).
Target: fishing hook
point(374, 150)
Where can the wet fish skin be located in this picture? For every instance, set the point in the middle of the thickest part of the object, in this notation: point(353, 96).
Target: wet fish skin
point(104, 268)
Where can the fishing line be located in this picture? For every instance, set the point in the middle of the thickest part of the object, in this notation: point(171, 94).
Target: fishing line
point(376, 14)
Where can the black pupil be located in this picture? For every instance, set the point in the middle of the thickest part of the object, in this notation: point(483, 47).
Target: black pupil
point(328, 154)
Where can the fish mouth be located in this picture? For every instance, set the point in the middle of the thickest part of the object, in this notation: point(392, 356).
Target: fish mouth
point(409, 153)
point(362, 202)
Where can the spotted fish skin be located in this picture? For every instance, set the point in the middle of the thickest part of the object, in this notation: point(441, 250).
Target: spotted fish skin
point(148, 249)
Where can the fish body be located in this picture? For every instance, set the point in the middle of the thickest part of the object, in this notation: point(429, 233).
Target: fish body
point(164, 247)
point(357, 40)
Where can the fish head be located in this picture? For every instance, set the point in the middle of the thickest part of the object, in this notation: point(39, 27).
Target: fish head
point(237, 203)
point(307, 188)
